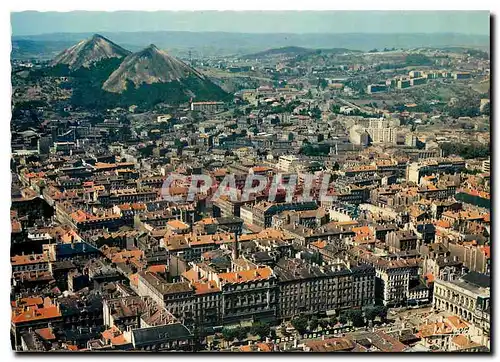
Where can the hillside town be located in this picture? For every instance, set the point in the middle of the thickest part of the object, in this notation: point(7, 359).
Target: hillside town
point(292, 200)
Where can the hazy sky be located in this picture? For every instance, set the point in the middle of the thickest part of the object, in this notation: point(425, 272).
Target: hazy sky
point(466, 22)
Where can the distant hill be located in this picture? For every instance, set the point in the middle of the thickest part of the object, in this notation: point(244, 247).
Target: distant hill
point(220, 43)
point(148, 66)
point(35, 49)
point(101, 76)
point(283, 51)
point(89, 51)
point(297, 51)
point(336, 51)
point(152, 75)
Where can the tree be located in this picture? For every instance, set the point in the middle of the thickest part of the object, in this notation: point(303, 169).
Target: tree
point(466, 150)
point(486, 109)
point(180, 144)
point(370, 313)
point(382, 312)
point(342, 319)
point(418, 59)
point(313, 323)
point(333, 320)
point(356, 317)
point(315, 166)
point(228, 334)
point(314, 150)
point(323, 323)
point(322, 83)
point(260, 329)
point(300, 324)
point(146, 151)
point(315, 113)
point(241, 333)
point(464, 107)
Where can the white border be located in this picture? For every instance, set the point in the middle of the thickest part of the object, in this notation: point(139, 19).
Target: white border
point(152, 5)
point(110, 5)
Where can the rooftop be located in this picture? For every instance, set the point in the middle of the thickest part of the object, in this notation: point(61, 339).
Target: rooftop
point(245, 276)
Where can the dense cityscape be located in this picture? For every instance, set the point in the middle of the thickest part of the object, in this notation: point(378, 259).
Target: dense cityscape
point(291, 199)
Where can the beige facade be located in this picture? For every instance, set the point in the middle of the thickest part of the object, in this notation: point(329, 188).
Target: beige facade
point(465, 300)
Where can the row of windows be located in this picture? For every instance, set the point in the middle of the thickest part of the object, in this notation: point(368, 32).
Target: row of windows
point(32, 267)
point(208, 305)
point(236, 311)
point(399, 277)
point(248, 301)
point(208, 298)
point(251, 285)
point(305, 287)
point(459, 298)
point(400, 284)
point(164, 345)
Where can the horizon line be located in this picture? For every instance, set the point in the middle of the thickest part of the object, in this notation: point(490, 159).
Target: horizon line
point(252, 33)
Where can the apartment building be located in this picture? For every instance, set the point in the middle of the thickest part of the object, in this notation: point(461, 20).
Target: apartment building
point(393, 280)
point(178, 297)
point(467, 297)
point(261, 214)
point(486, 165)
point(211, 107)
point(312, 289)
point(286, 163)
point(416, 170)
point(248, 295)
